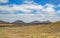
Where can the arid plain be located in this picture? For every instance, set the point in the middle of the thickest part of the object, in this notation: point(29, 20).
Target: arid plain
point(30, 30)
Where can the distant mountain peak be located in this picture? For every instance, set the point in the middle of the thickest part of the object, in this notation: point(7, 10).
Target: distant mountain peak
point(3, 22)
point(41, 22)
point(35, 22)
point(18, 21)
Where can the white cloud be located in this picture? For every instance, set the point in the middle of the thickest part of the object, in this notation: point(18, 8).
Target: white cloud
point(42, 13)
point(58, 5)
point(58, 11)
point(49, 5)
point(3, 1)
point(27, 17)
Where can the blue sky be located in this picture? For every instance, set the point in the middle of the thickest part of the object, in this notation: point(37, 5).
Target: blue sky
point(30, 10)
point(37, 1)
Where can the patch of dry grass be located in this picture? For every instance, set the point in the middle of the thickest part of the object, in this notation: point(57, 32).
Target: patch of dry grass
point(31, 31)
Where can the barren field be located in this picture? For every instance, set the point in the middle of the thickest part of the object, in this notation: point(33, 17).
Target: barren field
point(31, 31)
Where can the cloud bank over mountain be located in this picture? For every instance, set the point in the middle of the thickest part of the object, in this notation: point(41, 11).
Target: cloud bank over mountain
point(29, 11)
